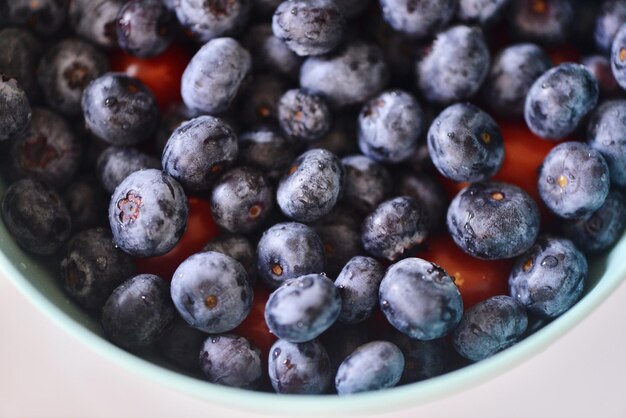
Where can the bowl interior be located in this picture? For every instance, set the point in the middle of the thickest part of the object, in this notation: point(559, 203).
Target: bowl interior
point(37, 278)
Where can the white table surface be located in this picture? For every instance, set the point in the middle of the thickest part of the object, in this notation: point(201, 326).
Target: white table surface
point(45, 373)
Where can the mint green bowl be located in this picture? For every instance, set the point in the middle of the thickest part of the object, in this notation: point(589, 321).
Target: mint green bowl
point(39, 284)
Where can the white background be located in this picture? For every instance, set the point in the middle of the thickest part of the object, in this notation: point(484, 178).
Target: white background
point(45, 373)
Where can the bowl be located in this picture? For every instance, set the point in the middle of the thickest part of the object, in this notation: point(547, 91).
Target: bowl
point(36, 278)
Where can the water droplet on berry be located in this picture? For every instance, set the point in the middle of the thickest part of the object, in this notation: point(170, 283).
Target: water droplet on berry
point(276, 353)
point(549, 261)
point(101, 262)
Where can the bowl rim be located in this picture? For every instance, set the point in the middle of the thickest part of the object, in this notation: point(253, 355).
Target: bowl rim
point(384, 401)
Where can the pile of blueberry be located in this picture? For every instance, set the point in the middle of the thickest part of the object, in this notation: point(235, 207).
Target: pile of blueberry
point(330, 141)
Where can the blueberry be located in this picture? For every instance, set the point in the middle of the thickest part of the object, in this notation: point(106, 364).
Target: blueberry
point(47, 150)
point(214, 75)
point(148, 213)
point(237, 247)
point(600, 67)
point(268, 150)
point(15, 111)
point(399, 49)
point(420, 161)
point(601, 229)
point(349, 76)
point(211, 292)
point(86, 202)
point(340, 139)
point(302, 115)
point(241, 199)
point(36, 216)
point(265, 8)
point(180, 344)
point(550, 277)
point(545, 21)
point(45, 17)
point(423, 187)
point(418, 19)
point(482, 12)
point(420, 299)
point(352, 8)
point(312, 186)
point(230, 360)
point(340, 340)
point(145, 28)
point(582, 31)
point(289, 250)
point(489, 327)
point(358, 285)
point(93, 268)
point(341, 242)
point(64, 72)
point(120, 109)
point(493, 220)
point(96, 20)
point(259, 100)
point(174, 116)
point(199, 151)
point(270, 53)
point(299, 368)
point(422, 359)
point(303, 308)
point(93, 147)
point(512, 73)
point(138, 312)
point(465, 143)
point(573, 180)
point(618, 57)
point(117, 163)
point(389, 126)
point(559, 99)
point(373, 366)
point(21, 52)
point(209, 19)
point(367, 183)
point(611, 15)
point(454, 67)
point(170, 4)
point(396, 226)
point(309, 27)
point(344, 214)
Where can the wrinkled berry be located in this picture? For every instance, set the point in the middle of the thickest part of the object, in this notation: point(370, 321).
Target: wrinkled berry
point(420, 299)
point(230, 360)
point(148, 213)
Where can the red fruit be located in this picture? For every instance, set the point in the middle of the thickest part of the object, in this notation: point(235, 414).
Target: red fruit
point(564, 53)
point(476, 279)
point(254, 327)
point(161, 74)
point(200, 229)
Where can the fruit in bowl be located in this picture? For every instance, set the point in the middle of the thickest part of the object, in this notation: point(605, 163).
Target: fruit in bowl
point(306, 266)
